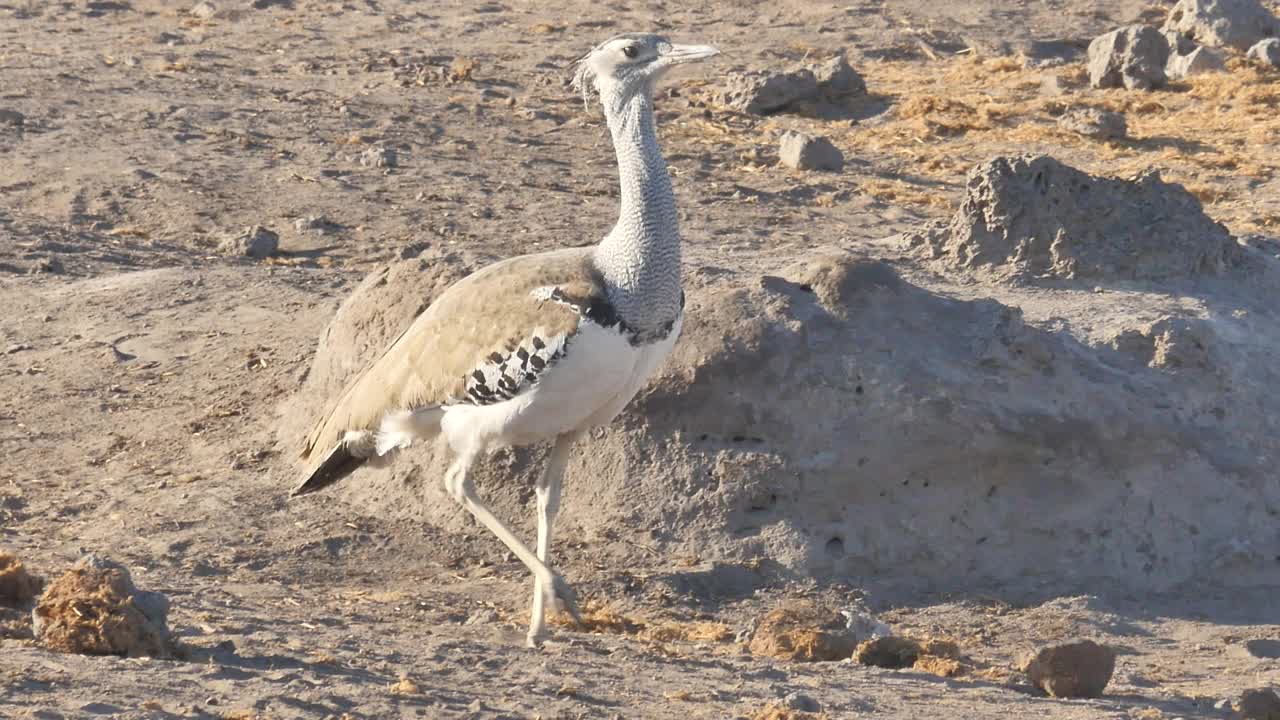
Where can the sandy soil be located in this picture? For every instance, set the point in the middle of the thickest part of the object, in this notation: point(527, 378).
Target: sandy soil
point(143, 371)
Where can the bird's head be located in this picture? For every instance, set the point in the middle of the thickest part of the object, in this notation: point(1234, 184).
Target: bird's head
point(627, 64)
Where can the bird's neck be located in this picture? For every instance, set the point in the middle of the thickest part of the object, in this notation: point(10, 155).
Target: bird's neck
point(640, 257)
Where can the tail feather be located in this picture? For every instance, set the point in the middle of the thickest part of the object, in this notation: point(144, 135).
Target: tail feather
point(339, 464)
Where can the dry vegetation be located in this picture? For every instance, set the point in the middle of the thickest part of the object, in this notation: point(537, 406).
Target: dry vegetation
point(1217, 134)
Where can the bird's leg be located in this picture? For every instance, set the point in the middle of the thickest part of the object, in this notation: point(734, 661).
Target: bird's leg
point(457, 480)
point(548, 492)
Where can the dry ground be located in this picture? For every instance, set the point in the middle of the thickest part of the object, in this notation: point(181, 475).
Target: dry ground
point(143, 371)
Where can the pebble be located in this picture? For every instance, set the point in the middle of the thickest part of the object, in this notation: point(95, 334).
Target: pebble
point(1094, 123)
point(313, 223)
point(801, 702)
point(16, 347)
point(204, 10)
point(377, 157)
point(809, 152)
point(254, 241)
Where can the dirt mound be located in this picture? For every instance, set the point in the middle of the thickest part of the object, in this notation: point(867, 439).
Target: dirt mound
point(1033, 216)
point(94, 609)
point(837, 420)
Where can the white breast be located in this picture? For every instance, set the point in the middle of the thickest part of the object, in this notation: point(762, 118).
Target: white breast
point(597, 376)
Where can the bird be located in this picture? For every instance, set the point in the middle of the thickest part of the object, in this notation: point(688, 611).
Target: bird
point(536, 348)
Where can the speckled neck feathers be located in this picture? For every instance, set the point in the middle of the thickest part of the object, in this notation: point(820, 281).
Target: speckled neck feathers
point(640, 258)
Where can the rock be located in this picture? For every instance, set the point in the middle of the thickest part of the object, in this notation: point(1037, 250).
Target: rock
point(837, 79)
point(203, 10)
point(1258, 704)
point(1263, 648)
point(1179, 44)
point(1052, 85)
point(809, 152)
point(1078, 669)
point(12, 117)
point(1266, 52)
point(1094, 123)
point(1132, 57)
point(891, 652)
point(94, 609)
point(805, 632)
point(17, 586)
point(254, 241)
point(760, 92)
point(1235, 24)
point(801, 702)
point(376, 157)
point(1032, 216)
point(1199, 61)
point(317, 224)
point(864, 626)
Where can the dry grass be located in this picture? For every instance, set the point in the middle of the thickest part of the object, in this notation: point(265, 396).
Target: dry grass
point(1217, 134)
point(90, 611)
point(17, 585)
point(773, 711)
point(603, 618)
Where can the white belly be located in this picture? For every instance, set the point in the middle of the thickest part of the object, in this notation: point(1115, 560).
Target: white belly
point(599, 374)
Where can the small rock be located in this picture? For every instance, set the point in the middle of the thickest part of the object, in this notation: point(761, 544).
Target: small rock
point(254, 241)
point(1094, 123)
point(377, 157)
point(312, 223)
point(1199, 61)
point(810, 152)
point(1179, 44)
point(204, 10)
point(1132, 57)
point(801, 702)
point(1266, 52)
point(1235, 24)
point(475, 706)
point(837, 79)
point(891, 652)
point(864, 626)
point(759, 92)
point(47, 266)
point(12, 117)
point(1267, 649)
point(1052, 85)
point(1078, 669)
point(16, 348)
point(1258, 704)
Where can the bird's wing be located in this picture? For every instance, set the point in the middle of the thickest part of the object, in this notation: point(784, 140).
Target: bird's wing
point(485, 339)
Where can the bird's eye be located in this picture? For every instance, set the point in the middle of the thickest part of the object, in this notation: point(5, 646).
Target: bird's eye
point(630, 51)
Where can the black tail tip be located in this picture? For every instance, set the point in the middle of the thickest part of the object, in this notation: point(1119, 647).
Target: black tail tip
point(339, 464)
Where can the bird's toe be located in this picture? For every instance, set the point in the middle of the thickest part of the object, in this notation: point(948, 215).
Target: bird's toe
point(566, 599)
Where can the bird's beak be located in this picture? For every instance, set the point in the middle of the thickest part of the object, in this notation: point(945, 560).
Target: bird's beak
point(688, 53)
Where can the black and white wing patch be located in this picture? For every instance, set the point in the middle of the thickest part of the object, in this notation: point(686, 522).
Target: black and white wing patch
point(504, 375)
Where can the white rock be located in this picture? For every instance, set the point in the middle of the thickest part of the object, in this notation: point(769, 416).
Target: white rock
point(810, 152)
point(1267, 52)
point(1133, 57)
point(1235, 24)
point(1199, 61)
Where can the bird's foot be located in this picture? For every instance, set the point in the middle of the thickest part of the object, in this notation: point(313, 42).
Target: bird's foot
point(535, 639)
point(564, 599)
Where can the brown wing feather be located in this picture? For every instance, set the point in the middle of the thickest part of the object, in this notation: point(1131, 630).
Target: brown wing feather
point(491, 310)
